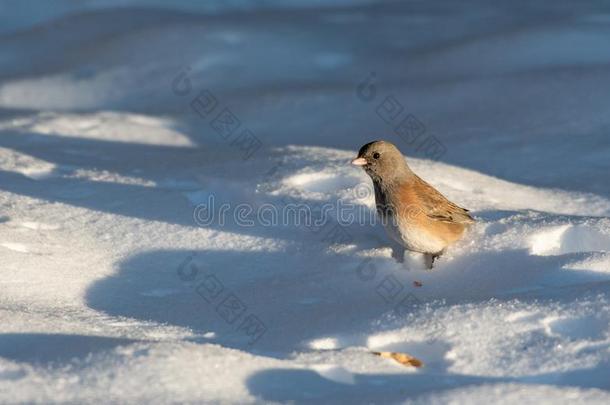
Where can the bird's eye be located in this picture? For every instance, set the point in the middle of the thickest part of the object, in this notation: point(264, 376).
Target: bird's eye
point(376, 155)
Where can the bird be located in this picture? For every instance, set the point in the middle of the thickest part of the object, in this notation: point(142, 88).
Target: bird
point(414, 214)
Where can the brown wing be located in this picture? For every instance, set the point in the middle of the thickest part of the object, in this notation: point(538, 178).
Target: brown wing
point(437, 207)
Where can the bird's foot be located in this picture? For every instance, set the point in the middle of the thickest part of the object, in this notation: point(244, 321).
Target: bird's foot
point(429, 258)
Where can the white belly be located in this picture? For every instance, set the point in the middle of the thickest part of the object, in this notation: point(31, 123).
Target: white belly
point(414, 238)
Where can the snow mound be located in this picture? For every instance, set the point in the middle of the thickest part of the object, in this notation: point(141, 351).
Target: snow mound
point(570, 238)
point(501, 307)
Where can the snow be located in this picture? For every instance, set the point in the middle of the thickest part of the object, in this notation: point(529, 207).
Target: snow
point(132, 271)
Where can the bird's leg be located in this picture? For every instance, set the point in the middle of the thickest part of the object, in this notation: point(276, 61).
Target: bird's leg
point(398, 253)
point(430, 258)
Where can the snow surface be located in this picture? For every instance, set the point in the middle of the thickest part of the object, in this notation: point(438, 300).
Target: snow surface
point(112, 290)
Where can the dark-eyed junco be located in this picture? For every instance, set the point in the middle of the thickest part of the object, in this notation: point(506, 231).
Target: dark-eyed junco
point(414, 214)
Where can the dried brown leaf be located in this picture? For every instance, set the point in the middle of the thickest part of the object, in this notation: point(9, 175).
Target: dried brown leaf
point(402, 358)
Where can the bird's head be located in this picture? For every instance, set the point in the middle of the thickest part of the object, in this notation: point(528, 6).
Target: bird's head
point(382, 161)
